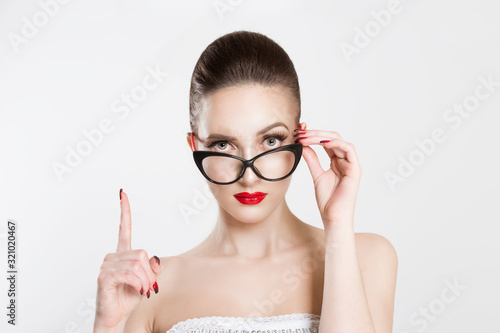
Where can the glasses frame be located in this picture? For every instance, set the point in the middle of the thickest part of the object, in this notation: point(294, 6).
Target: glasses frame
point(199, 155)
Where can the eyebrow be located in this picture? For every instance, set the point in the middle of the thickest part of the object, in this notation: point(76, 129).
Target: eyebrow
point(232, 138)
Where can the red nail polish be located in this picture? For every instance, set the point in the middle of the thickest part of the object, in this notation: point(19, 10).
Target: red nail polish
point(121, 193)
point(155, 287)
point(142, 291)
point(148, 294)
point(157, 260)
point(324, 141)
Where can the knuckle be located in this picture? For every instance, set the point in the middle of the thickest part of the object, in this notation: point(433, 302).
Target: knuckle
point(104, 266)
point(125, 228)
point(101, 278)
point(129, 275)
point(143, 255)
point(136, 266)
point(108, 257)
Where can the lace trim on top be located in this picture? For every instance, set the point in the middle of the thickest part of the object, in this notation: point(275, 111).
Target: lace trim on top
point(287, 323)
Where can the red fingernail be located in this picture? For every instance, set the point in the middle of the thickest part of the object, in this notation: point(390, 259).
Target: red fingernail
point(142, 291)
point(157, 260)
point(121, 193)
point(323, 141)
point(148, 294)
point(304, 137)
point(155, 287)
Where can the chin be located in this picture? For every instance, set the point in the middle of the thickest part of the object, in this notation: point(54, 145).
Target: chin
point(249, 217)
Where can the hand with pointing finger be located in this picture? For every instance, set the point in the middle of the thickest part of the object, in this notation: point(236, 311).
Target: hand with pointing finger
point(126, 276)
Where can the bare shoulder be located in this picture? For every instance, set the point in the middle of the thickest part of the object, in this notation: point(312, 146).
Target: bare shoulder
point(374, 250)
point(378, 264)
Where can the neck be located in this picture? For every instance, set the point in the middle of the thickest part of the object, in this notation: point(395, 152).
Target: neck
point(278, 232)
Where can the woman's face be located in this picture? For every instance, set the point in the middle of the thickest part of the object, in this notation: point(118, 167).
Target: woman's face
point(243, 112)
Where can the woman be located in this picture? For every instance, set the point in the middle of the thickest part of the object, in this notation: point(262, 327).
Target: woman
point(261, 268)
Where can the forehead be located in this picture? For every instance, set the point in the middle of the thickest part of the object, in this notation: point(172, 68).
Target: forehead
point(244, 110)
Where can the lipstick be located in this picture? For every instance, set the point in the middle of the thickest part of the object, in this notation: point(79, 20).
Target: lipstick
point(250, 198)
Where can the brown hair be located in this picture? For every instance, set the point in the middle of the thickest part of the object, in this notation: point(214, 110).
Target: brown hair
point(240, 57)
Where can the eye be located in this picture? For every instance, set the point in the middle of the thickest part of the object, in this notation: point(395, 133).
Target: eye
point(221, 146)
point(275, 139)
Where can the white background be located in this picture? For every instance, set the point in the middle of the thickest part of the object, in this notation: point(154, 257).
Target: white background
point(443, 219)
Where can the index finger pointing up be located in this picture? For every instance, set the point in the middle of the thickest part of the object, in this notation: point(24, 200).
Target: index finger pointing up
point(124, 236)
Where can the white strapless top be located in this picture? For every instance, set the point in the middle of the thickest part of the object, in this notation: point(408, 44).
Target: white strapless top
point(287, 323)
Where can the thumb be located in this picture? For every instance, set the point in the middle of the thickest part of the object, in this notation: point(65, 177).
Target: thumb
point(155, 264)
point(312, 162)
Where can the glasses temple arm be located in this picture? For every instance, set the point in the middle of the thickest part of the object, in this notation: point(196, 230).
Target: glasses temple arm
point(192, 142)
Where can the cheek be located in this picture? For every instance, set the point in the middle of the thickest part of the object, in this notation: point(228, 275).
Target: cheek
point(282, 188)
point(217, 190)
point(223, 193)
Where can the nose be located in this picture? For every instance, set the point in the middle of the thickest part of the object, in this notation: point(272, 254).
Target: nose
point(249, 177)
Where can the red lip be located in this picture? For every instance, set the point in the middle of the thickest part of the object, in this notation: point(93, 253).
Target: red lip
point(250, 198)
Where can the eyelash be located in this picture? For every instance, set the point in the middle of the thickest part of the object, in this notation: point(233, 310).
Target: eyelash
point(280, 136)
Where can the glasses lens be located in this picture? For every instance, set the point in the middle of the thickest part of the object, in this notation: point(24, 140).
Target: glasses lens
point(275, 165)
point(221, 168)
point(225, 169)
